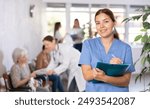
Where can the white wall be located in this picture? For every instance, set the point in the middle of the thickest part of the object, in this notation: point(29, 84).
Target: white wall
point(17, 28)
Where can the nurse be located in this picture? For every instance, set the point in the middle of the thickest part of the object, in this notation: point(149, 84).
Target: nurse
point(108, 49)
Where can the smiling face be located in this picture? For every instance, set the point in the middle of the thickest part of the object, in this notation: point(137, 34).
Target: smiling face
point(104, 25)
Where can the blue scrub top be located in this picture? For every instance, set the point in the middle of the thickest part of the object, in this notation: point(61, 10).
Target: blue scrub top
point(93, 51)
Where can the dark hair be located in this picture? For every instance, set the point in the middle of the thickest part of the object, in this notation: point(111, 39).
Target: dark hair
point(77, 21)
point(111, 15)
point(43, 47)
point(48, 38)
point(56, 27)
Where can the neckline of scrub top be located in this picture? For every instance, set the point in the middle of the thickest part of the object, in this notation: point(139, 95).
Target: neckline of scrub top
point(105, 56)
point(110, 48)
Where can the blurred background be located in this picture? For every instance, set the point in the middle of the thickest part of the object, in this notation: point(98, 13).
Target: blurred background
point(25, 22)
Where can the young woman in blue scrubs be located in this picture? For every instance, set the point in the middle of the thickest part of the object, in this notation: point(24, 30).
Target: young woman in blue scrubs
point(108, 49)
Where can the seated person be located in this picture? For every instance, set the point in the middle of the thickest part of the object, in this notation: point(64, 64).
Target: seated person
point(42, 59)
point(20, 72)
point(42, 62)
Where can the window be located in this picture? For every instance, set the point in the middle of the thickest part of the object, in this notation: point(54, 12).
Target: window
point(134, 26)
point(85, 13)
point(81, 12)
point(53, 13)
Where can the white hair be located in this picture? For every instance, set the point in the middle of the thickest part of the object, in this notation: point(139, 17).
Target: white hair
point(18, 52)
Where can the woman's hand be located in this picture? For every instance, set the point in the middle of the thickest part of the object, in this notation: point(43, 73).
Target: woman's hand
point(33, 74)
point(50, 72)
point(115, 61)
point(90, 73)
point(94, 73)
point(98, 74)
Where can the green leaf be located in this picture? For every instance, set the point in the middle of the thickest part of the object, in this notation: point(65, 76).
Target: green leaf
point(138, 77)
point(148, 38)
point(136, 17)
point(144, 70)
point(148, 59)
point(146, 10)
point(142, 51)
point(146, 25)
point(138, 37)
point(143, 30)
point(145, 16)
point(144, 38)
point(126, 20)
point(143, 61)
point(136, 61)
point(146, 46)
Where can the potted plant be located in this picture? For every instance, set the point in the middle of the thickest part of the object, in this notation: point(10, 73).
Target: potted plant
point(144, 37)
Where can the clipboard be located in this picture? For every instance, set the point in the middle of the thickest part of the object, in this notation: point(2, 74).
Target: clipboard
point(115, 70)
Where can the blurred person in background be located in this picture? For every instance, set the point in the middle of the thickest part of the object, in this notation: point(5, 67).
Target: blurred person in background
point(42, 61)
point(77, 35)
point(57, 34)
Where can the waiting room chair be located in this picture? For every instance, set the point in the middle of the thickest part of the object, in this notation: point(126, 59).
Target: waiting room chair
point(9, 86)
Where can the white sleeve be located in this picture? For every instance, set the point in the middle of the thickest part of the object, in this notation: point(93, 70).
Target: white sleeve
point(52, 64)
point(41, 71)
point(65, 60)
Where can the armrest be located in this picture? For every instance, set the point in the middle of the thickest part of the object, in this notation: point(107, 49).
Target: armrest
point(21, 89)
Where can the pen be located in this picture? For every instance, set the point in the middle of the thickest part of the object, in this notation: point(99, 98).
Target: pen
point(113, 56)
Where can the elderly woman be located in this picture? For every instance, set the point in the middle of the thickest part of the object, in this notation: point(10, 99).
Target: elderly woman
point(20, 72)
